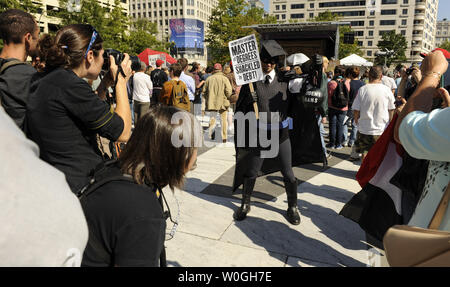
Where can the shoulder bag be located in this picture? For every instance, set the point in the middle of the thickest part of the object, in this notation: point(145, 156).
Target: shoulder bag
point(407, 246)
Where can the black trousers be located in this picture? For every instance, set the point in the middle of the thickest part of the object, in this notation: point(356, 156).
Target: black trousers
point(285, 158)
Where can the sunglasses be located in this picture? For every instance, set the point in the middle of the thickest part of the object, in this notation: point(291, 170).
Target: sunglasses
point(93, 38)
point(268, 61)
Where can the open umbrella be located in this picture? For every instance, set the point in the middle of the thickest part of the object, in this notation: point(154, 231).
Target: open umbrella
point(297, 59)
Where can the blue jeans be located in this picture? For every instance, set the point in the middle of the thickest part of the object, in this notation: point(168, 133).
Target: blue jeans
point(132, 112)
point(336, 118)
point(322, 133)
point(353, 132)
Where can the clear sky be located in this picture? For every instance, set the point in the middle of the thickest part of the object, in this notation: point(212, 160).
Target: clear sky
point(444, 9)
point(443, 12)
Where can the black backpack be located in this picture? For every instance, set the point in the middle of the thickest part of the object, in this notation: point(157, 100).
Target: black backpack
point(101, 175)
point(340, 97)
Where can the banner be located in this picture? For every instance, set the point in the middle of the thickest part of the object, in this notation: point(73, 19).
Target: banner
point(188, 35)
point(245, 58)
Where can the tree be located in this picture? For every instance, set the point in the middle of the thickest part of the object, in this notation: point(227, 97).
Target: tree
point(142, 36)
point(116, 29)
point(445, 45)
point(393, 42)
point(225, 25)
point(344, 48)
point(26, 5)
point(114, 33)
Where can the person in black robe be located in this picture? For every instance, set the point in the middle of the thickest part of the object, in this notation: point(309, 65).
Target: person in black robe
point(273, 99)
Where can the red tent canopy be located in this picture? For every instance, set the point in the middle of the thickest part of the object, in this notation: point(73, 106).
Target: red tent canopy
point(144, 56)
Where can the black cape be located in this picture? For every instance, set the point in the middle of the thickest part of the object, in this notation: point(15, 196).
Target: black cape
point(305, 141)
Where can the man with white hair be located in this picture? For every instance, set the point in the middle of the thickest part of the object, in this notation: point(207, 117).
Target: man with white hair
point(142, 92)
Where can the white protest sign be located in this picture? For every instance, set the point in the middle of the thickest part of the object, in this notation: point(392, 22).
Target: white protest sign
point(152, 59)
point(245, 58)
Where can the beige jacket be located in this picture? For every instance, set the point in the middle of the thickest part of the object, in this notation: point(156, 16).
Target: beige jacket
point(217, 91)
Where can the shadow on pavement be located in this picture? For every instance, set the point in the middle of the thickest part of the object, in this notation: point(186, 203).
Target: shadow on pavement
point(279, 237)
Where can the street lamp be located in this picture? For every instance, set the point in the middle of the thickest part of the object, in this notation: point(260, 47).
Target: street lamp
point(386, 53)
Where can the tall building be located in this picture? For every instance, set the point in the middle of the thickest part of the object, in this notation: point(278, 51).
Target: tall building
point(442, 32)
point(168, 15)
point(414, 19)
point(48, 20)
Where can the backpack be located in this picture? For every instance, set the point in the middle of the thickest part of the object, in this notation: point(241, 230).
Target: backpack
point(6, 64)
point(340, 97)
point(101, 175)
point(180, 97)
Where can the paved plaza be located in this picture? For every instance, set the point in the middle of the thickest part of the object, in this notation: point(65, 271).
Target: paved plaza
point(207, 235)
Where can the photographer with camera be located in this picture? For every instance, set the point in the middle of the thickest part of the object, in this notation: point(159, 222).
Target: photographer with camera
point(424, 133)
point(64, 115)
point(411, 77)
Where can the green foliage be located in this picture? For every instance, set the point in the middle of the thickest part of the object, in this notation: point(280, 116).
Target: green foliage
point(327, 16)
point(26, 5)
point(142, 36)
point(344, 49)
point(225, 25)
point(117, 30)
point(445, 45)
point(395, 42)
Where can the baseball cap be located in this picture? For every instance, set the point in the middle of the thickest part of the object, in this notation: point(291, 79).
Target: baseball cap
point(159, 62)
point(217, 66)
point(445, 52)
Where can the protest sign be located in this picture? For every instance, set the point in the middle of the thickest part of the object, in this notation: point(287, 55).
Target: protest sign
point(246, 63)
point(245, 58)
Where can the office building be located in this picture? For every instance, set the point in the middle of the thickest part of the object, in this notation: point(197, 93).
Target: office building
point(169, 15)
point(442, 32)
point(414, 19)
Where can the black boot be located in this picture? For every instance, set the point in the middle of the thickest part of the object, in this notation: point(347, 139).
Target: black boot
point(241, 212)
point(293, 215)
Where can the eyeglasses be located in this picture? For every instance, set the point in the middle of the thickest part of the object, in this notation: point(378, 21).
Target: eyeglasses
point(93, 38)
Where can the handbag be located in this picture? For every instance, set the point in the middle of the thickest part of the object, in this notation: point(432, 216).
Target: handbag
point(407, 246)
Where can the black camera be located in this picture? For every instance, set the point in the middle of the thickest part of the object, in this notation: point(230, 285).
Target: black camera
point(118, 57)
point(409, 71)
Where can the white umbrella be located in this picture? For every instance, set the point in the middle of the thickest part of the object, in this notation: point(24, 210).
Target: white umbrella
point(297, 59)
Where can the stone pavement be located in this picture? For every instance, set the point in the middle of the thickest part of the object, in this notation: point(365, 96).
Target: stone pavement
point(207, 235)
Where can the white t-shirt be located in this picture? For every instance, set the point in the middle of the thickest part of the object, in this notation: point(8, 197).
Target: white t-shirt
point(142, 87)
point(389, 82)
point(41, 220)
point(373, 102)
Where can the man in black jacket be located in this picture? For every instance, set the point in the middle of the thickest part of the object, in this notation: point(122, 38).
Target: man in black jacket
point(159, 77)
point(20, 34)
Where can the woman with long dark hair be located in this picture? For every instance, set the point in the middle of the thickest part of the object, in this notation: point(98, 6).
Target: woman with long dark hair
point(125, 219)
point(64, 115)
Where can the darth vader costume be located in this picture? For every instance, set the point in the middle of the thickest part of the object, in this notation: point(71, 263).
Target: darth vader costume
point(292, 122)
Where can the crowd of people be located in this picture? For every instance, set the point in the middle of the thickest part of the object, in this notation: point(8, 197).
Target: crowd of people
point(109, 206)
